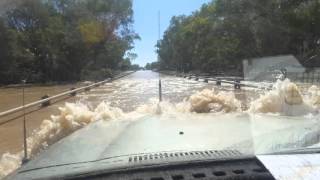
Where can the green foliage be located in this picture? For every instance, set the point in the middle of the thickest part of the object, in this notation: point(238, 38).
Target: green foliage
point(152, 66)
point(224, 32)
point(62, 40)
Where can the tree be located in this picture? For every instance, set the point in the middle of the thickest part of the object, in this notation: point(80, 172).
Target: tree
point(60, 40)
point(218, 36)
point(152, 66)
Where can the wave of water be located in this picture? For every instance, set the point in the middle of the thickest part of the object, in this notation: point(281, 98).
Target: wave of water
point(287, 99)
point(284, 99)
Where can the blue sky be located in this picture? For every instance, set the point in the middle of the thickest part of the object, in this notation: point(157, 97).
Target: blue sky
point(146, 23)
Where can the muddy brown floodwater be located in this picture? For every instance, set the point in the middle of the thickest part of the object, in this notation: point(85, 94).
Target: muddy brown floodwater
point(127, 93)
point(11, 133)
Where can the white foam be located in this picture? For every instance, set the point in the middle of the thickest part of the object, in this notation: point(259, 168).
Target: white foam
point(211, 101)
point(72, 116)
point(284, 99)
point(8, 163)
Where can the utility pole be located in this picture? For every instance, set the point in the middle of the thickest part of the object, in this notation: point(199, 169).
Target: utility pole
point(160, 88)
point(25, 148)
point(159, 26)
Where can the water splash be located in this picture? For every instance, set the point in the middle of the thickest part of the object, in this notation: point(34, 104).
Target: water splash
point(72, 117)
point(314, 96)
point(205, 101)
point(210, 101)
point(284, 99)
point(8, 163)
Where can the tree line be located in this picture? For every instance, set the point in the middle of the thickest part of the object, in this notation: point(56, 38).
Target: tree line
point(218, 36)
point(65, 40)
point(152, 66)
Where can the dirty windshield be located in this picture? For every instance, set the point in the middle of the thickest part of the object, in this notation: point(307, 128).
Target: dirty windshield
point(87, 79)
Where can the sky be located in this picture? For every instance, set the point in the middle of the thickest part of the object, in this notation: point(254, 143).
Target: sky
point(146, 23)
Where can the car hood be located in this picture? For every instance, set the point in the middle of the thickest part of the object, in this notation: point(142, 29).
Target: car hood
point(104, 144)
point(110, 139)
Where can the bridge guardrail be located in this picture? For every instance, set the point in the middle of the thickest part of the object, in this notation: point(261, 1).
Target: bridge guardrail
point(206, 78)
point(70, 93)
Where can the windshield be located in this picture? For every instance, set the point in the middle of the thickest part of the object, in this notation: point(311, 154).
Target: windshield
point(135, 76)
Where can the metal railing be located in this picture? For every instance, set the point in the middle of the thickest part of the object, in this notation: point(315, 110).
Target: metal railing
point(70, 93)
point(236, 81)
point(306, 77)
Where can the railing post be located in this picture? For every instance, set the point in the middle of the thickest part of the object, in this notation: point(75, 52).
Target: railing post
point(312, 77)
point(73, 93)
point(218, 82)
point(46, 103)
point(237, 84)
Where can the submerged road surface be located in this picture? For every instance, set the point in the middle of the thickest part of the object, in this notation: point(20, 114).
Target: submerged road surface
point(127, 93)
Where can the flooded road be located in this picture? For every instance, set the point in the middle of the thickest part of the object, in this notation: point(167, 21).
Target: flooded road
point(128, 93)
point(143, 86)
point(248, 119)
